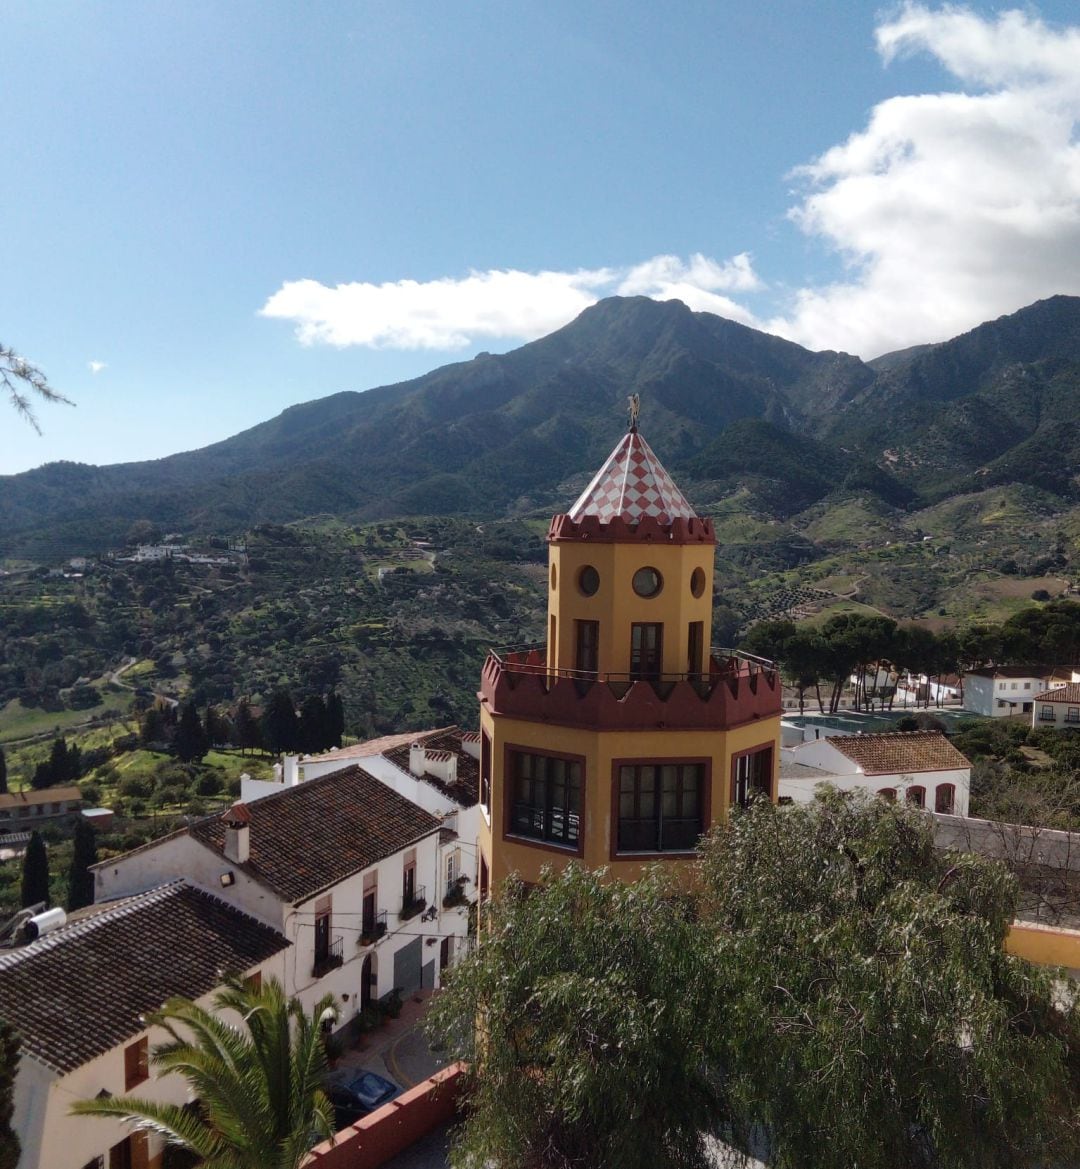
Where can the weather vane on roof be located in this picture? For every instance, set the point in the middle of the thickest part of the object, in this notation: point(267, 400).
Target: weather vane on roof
point(635, 409)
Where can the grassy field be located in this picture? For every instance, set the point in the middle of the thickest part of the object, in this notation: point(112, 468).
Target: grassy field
point(20, 722)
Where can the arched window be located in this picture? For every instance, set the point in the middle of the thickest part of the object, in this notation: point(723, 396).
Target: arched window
point(945, 798)
point(916, 796)
point(888, 794)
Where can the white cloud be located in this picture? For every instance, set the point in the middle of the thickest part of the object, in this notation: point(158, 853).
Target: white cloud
point(97, 366)
point(451, 313)
point(947, 209)
point(951, 208)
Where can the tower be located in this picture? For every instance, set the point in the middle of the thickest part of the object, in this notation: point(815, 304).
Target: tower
point(623, 738)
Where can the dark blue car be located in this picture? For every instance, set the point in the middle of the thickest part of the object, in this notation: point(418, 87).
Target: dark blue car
point(355, 1092)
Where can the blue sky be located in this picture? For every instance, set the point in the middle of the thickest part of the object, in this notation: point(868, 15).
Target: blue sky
point(213, 211)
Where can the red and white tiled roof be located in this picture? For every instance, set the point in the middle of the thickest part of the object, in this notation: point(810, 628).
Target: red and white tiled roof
point(632, 484)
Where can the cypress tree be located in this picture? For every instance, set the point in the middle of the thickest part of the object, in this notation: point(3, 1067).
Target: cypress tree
point(35, 875)
point(190, 741)
point(80, 879)
point(3, 771)
point(246, 733)
point(335, 719)
point(280, 726)
point(314, 730)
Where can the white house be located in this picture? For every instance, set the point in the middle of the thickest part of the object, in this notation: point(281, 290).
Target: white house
point(998, 691)
point(78, 997)
point(920, 767)
point(437, 770)
point(1057, 707)
point(348, 870)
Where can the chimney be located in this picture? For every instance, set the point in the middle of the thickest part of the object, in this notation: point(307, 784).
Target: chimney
point(291, 769)
point(470, 743)
point(417, 759)
point(237, 833)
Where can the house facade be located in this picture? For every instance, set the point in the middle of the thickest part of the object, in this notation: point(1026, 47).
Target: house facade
point(921, 768)
point(344, 867)
point(79, 997)
point(1000, 691)
point(437, 770)
point(1058, 707)
point(22, 811)
point(623, 738)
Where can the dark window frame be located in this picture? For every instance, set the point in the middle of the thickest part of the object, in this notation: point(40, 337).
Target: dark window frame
point(704, 803)
point(512, 825)
point(646, 663)
point(945, 794)
point(136, 1063)
point(760, 749)
point(916, 796)
point(587, 646)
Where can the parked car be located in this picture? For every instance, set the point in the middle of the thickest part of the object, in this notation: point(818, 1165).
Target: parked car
point(355, 1092)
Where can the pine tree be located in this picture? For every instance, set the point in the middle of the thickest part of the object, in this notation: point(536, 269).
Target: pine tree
point(190, 741)
point(58, 762)
point(80, 879)
point(152, 729)
point(3, 772)
point(215, 728)
point(35, 875)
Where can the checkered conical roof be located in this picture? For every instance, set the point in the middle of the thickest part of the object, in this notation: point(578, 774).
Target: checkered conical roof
point(632, 484)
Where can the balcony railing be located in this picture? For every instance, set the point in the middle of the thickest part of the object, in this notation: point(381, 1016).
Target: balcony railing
point(417, 904)
point(531, 658)
point(329, 959)
point(372, 929)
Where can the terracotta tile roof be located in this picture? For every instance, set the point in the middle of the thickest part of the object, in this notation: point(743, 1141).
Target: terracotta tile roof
point(1069, 693)
point(1020, 672)
point(46, 795)
point(466, 791)
point(373, 746)
point(79, 991)
point(309, 837)
point(630, 485)
point(900, 751)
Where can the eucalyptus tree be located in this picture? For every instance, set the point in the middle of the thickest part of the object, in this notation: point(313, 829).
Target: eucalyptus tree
point(873, 1016)
point(586, 1014)
point(256, 1081)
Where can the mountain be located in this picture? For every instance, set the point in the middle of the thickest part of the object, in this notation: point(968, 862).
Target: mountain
point(728, 407)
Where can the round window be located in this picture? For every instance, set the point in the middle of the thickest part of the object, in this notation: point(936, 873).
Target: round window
point(554, 577)
point(588, 581)
point(647, 582)
point(697, 581)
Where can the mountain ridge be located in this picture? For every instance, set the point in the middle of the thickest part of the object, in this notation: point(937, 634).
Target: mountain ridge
point(493, 434)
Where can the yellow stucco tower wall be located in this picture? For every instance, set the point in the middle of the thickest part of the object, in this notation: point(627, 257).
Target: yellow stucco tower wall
point(622, 739)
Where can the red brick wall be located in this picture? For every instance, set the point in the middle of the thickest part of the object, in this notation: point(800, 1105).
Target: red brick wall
point(374, 1139)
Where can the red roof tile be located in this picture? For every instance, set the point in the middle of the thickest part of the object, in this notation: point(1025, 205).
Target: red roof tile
point(82, 990)
point(309, 837)
point(1069, 693)
point(895, 752)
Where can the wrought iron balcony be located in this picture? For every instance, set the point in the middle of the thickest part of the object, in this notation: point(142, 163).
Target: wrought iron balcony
point(372, 929)
point(418, 903)
point(329, 959)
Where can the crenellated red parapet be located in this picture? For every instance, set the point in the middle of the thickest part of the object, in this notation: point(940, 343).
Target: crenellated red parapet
point(733, 693)
point(648, 529)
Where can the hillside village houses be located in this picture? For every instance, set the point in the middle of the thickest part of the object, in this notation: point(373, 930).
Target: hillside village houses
point(335, 885)
point(999, 691)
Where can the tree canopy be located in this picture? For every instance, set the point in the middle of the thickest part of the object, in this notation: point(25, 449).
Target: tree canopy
point(261, 1105)
point(833, 993)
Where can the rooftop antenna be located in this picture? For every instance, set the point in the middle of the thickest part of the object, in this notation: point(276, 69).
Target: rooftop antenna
point(634, 407)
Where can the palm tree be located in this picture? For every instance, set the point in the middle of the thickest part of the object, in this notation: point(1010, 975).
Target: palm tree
point(257, 1086)
point(17, 376)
